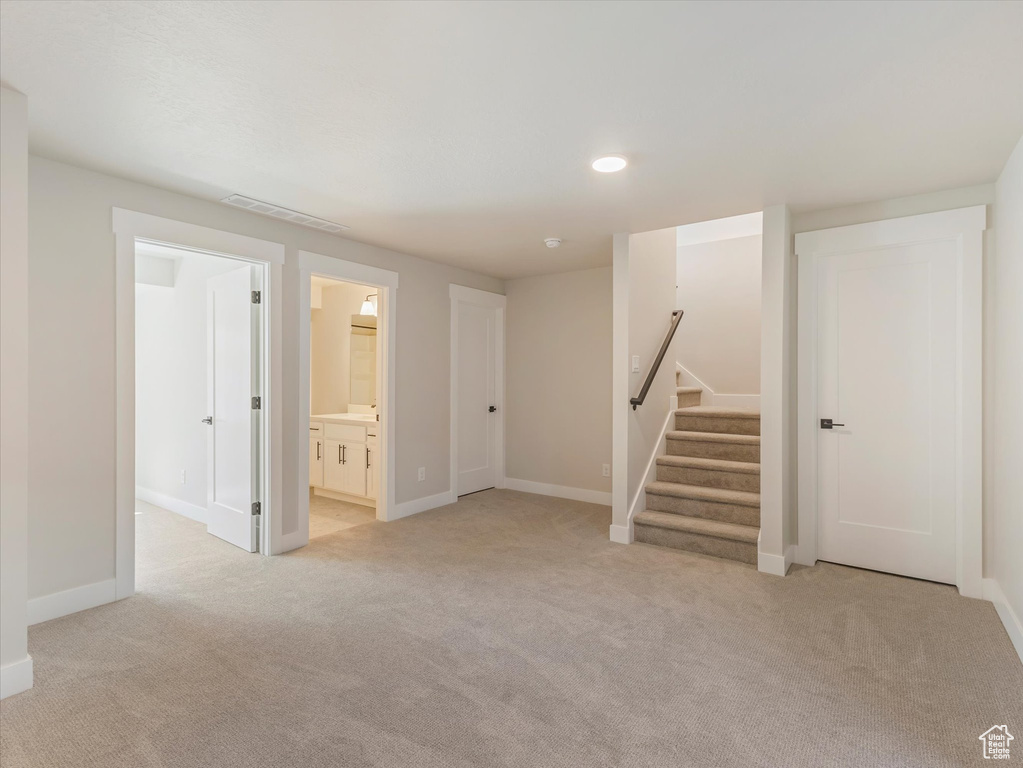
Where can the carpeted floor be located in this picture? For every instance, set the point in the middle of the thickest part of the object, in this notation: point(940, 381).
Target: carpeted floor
point(507, 631)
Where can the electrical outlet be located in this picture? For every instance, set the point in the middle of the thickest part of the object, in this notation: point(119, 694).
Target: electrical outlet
point(182, 477)
point(422, 474)
point(606, 470)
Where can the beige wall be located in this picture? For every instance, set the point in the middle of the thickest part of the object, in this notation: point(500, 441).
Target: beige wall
point(72, 364)
point(1003, 402)
point(15, 667)
point(651, 280)
point(719, 290)
point(558, 379)
point(330, 343)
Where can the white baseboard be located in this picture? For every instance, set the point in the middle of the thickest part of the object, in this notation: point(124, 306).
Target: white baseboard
point(326, 493)
point(559, 491)
point(15, 677)
point(71, 601)
point(776, 565)
point(621, 534)
point(1013, 625)
point(162, 500)
point(416, 506)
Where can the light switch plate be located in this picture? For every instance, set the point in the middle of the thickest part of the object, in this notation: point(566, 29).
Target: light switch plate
point(635, 363)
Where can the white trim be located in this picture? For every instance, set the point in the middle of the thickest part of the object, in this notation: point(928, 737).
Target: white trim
point(15, 677)
point(424, 504)
point(650, 473)
point(386, 283)
point(621, 534)
point(776, 565)
point(1013, 625)
point(964, 226)
point(499, 302)
point(72, 600)
point(364, 501)
point(710, 397)
point(559, 491)
point(171, 504)
point(620, 389)
point(129, 227)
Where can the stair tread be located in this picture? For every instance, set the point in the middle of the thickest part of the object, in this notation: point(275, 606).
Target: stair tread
point(747, 534)
point(689, 390)
point(703, 493)
point(712, 437)
point(719, 412)
point(718, 465)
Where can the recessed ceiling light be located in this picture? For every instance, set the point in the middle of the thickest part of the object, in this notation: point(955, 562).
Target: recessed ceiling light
point(609, 163)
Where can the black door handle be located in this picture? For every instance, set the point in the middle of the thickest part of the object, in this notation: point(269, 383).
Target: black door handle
point(492, 408)
point(344, 454)
point(829, 424)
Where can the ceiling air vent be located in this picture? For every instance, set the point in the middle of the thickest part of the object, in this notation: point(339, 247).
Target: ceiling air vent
point(284, 214)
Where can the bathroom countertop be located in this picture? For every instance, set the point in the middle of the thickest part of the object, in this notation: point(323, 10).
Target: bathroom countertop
point(345, 418)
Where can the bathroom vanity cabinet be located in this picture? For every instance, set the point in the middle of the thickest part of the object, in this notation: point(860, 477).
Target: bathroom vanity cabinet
point(342, 456)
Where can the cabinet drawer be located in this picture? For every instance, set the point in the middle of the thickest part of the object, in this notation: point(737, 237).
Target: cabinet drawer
point(344, 432)
point(315, 429)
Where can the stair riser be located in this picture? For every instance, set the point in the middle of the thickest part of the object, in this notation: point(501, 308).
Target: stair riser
point(708, 510)
point(699, 449)
point(688, 399)
point(695, 542)
point(732, 481)
point(720, 424)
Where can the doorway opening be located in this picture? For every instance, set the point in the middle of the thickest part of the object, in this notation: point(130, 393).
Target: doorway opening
point(200, 357)
point(344, 393)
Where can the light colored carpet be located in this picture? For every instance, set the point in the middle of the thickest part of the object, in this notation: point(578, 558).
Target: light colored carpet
point(328, 516)
point(507, 631)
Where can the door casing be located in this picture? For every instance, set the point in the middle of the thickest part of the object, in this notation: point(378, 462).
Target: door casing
point(964, 227)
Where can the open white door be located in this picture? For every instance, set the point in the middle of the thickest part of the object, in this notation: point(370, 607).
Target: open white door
point(233, 354)
point(476, 389)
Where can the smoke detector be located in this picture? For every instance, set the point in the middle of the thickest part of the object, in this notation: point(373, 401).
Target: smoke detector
point(553, 242)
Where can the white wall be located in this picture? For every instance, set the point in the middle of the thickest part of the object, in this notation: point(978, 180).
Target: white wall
point(15, 664)
point(777, 398)
point(72, 363)
point(719, 290)
point(651, 279)
point(1004, 399)
point(558, 379)
point(330, 344)
point(170, 381)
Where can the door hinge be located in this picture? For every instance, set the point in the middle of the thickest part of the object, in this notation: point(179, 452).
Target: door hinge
point(257, 508)
point(257, 403)
point(257, 296)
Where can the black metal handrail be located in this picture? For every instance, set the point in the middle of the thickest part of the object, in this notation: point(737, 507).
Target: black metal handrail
point(676, 316)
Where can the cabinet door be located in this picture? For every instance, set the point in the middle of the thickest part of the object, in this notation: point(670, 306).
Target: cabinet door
point(315, 462)
point(354, 455)
point(371, 468)
point(333, 468)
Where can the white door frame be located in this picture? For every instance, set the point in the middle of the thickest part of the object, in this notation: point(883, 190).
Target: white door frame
point(129, 228)
point(386, 283)
point(965, 228)
point(461, 294)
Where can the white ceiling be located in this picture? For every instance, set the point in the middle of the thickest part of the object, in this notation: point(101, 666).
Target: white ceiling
point(463, 132)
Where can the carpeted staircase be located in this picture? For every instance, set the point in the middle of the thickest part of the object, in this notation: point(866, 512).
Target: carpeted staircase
point(706, 497)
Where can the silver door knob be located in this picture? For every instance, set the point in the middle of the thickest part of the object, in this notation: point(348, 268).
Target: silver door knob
point(208, 420)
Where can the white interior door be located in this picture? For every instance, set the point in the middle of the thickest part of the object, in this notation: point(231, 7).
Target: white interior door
point(477, 391)
point(233, 376)
point(886, 376)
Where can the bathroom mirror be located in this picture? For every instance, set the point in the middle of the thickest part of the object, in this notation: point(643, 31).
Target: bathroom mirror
point(363, 359)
